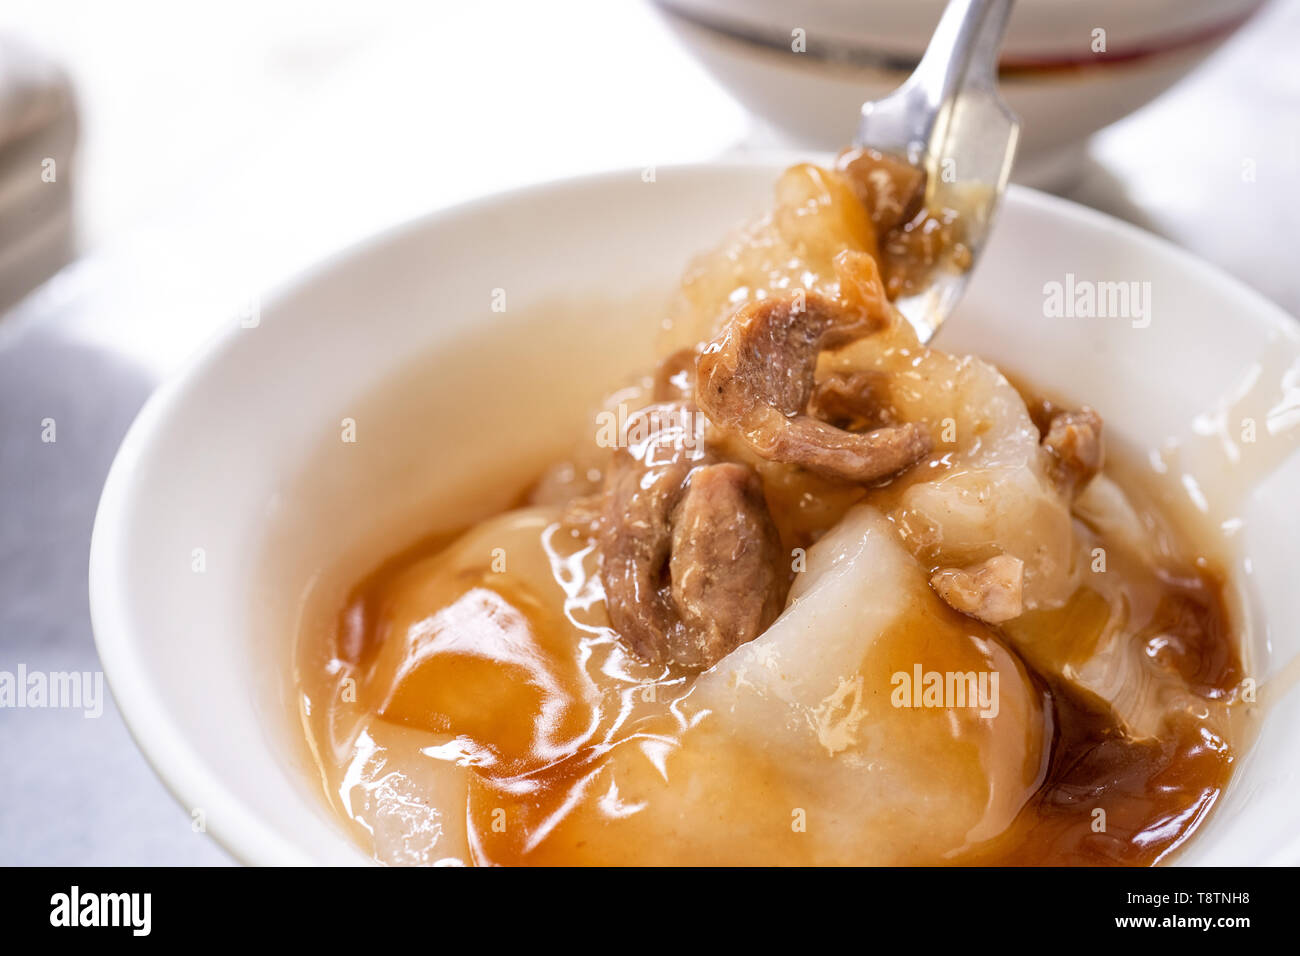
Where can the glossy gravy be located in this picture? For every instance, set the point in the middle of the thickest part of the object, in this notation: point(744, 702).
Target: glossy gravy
point(513, 736)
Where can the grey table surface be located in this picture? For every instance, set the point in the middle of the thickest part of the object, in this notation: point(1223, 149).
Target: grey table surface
point(88, 347)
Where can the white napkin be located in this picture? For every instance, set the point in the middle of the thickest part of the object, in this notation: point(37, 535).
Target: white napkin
point(38, 133)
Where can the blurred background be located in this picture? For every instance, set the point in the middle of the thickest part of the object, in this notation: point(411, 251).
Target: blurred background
point(164, 165)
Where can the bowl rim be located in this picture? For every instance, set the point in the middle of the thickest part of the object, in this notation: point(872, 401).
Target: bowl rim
point(181, 766)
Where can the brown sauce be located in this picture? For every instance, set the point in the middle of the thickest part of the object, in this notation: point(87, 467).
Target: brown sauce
point(1153, 792)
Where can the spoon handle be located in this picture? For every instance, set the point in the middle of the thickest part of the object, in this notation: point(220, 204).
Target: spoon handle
point(949, 120)
point(962, 54)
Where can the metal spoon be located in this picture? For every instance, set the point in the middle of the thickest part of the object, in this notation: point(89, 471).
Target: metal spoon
point(948, 118)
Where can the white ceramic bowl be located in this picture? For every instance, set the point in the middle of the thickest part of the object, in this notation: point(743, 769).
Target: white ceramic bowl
point(227, 457)
point(863, 49)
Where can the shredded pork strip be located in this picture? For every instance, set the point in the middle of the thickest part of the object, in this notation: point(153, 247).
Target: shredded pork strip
point(757, 377)
point(690, 557)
